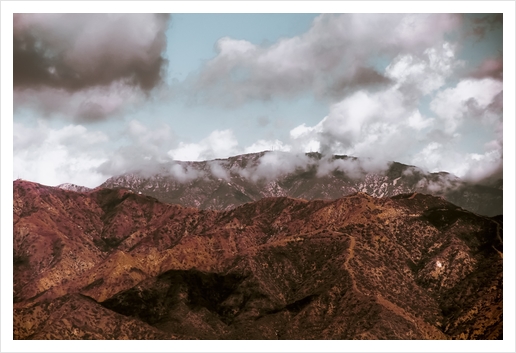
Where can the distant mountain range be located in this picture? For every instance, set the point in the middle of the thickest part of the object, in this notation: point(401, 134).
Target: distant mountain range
point(226, 183)
point(113, 264)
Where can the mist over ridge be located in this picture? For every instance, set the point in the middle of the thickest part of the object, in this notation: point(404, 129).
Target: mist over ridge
point(226, 183)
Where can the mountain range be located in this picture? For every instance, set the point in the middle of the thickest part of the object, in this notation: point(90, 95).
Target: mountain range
point(226, 183)
point(116, 264)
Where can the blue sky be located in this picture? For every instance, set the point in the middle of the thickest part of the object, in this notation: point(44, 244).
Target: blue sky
point(100, 95)
point(196, 35)
point(191, 41)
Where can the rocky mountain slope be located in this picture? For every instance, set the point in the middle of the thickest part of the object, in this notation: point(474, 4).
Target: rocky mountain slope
point(73, 187)
point(113, 264)
point(227, 183)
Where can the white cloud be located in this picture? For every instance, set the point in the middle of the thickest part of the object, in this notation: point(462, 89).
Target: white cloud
point(364, 124)
point(387, 125)
point(233, 48)
point(218, 170)
point(150, 143)
point(186, 152)
point(273, 164)
point(351, 167)
point(219, 144)
point(57, 156)
point(330, 59)
point(418, 122)
point(26, 137)
point(347, 118)
point(306, 138)
point(425, 73)
point(468, 99)
point(469, 166)
point(430, 157)
point(184, 173)
point(143, 149)
point(267, 145)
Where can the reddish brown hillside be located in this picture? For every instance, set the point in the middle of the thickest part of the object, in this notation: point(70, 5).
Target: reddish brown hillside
point(111, 264)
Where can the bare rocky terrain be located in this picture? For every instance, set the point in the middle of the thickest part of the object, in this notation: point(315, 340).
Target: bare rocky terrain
point(114, 264)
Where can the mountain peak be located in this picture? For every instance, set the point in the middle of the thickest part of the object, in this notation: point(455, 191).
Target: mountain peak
point(223, 184)
point(73, 187)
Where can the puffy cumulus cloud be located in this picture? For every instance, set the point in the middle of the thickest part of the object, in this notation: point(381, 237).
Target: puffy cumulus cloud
point(468, 99)
point(331, 59)
point(407, 112)
point(474, 167)
point(431, 157)
point(486, 167)
point(381, 126)
point(418, 122)
point(55, 156)
point(435, 64)
point(387, 124)
point(442, 155)
point(219, 144)
point(306, 138)
point(86, 65)
point(369, 125)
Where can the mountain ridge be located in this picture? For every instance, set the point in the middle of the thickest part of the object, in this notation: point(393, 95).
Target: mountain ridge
point(412, 266)
point(222, 184)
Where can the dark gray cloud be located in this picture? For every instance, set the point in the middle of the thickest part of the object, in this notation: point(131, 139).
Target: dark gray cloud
point(483, 23)
point(496, 106)
point(356, 78)
point(84, 106)
point(489, 68)
point(79, 51)
point(86, 67)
